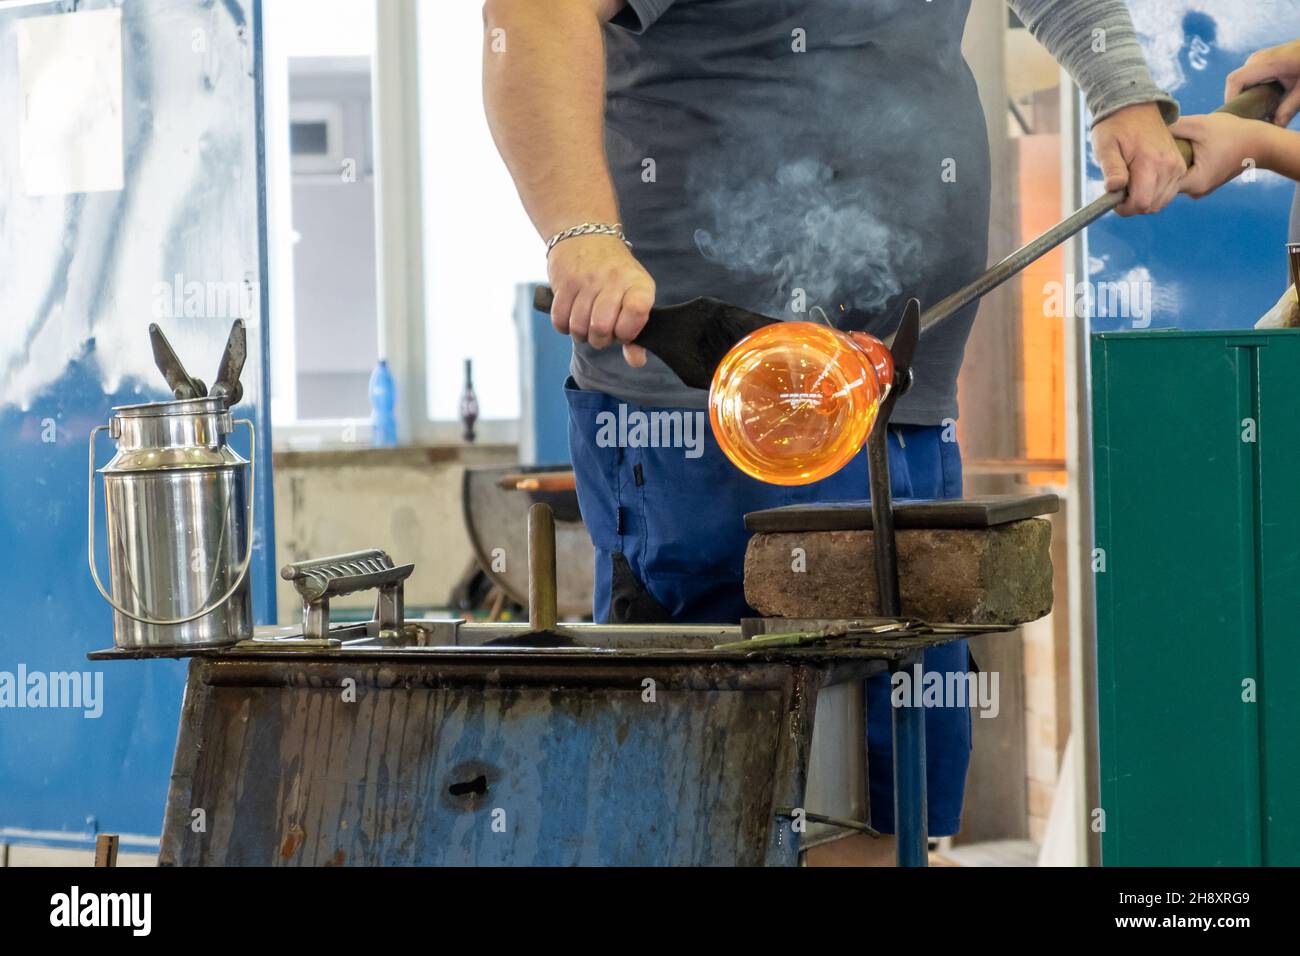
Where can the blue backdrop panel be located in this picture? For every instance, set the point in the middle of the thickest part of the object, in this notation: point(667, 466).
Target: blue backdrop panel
point(1216, 263)
point(543, 367)
point(81, 277)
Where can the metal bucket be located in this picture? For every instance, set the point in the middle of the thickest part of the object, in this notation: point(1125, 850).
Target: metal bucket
point(179, 509)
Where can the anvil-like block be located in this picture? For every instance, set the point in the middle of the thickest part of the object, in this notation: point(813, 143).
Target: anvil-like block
point(996, 575)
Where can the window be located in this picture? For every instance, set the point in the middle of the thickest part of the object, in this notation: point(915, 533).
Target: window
point(478, 242)
point(350, 147)
point(321, 191)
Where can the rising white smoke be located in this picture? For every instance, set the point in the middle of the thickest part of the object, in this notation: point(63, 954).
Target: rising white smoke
point(803, 232)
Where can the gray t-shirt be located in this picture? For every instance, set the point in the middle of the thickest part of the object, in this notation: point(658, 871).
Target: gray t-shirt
point(787, 156)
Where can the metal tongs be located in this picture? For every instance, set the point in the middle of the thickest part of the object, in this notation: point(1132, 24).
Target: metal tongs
point(185, 386)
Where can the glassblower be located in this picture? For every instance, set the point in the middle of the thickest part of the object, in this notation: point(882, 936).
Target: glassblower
point(791, 403)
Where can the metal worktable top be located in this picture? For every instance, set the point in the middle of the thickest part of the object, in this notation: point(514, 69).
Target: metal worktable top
point(401, 747)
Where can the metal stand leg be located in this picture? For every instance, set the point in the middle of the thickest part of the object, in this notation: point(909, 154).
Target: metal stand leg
point(911, 816)
point(885, 544)
point(910, 807)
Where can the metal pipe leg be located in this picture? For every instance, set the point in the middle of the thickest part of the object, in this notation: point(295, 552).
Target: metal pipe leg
point(910, 809)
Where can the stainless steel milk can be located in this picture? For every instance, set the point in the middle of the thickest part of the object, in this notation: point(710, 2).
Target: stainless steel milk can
point(178, 505)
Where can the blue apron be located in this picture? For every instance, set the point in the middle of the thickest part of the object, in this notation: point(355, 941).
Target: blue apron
point(670, 546)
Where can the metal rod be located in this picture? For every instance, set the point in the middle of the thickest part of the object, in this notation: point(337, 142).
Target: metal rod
point(885, 544)
point(840, 822)
point(911, 823)
point(1018, 260)
point(542, 612)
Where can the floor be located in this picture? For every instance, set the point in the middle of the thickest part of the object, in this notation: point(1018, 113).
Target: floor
point(15, 855)
point(860, 850)
point(853, 851)
point(994, 853)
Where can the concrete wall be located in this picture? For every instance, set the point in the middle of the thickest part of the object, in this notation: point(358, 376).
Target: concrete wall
point(404, 500)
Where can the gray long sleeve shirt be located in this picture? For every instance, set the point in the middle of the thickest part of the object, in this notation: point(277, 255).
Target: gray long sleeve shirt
point(831, 154)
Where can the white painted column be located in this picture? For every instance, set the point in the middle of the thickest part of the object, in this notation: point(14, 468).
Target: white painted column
point(399, 246)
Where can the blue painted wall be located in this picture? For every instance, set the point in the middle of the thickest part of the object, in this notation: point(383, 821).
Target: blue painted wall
point(543, 368)
point(1216, 263)
point(80, 279)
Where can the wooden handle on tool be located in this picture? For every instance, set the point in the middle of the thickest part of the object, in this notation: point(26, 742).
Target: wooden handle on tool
point(539, 481)
point(543, 298)
point(1256, 103)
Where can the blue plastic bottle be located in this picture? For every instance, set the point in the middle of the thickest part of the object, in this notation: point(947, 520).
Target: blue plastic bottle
point(383, 399)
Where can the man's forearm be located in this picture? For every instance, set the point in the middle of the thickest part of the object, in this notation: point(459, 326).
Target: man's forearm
point(543, 89)
point(1280, 151)
point(1108, 65)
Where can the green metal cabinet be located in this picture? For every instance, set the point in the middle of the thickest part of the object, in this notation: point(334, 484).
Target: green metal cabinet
point(1196, 437)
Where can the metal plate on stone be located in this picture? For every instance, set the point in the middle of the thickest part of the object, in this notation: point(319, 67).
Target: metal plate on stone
point(981, 511)
point(497, 518)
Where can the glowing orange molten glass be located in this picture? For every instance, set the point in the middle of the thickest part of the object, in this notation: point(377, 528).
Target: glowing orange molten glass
point(793, 402)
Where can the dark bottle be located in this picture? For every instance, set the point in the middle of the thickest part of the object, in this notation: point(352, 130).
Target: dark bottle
point(469, 402)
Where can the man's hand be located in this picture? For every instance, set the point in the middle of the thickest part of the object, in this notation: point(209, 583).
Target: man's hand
point(1222, 144)
point(602, 294)
point(1135, 149)
point(1281, 63)
point(545, 102)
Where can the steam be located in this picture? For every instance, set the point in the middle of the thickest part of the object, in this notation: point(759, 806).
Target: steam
point(804, 230)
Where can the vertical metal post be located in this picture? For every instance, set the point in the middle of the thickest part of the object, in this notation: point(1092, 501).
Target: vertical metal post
point(911, 811)
point(910, 800)
point(399, 187)
point(542, 595)
point(882, 521)
point(390, 608)
point(882, 506)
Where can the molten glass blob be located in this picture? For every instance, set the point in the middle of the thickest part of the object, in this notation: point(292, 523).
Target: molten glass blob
point(793, 402)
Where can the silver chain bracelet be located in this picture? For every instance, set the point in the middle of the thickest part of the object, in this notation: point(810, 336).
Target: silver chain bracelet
point(588, 229)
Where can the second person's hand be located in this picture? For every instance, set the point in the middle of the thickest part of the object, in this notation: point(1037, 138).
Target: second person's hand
point(1281, 63)
point(602, 294)
point(1223, 147)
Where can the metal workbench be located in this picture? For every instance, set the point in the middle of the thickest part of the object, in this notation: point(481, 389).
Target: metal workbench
point(649, 747)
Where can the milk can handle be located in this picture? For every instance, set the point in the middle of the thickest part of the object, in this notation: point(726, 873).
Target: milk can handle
point(248, 551)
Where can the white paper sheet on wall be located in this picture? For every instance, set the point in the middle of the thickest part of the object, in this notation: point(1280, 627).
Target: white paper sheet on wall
point(70, 78)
